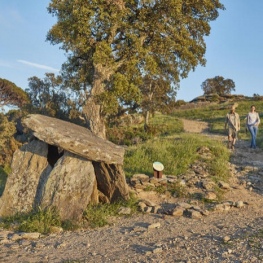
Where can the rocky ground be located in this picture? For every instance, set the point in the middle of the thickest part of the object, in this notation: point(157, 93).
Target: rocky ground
point(231, 234)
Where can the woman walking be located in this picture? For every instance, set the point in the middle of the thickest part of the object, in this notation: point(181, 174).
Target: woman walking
point(252, 125)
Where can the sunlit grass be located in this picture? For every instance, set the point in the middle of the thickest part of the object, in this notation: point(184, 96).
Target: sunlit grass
point(176, 154)
point(98, 215)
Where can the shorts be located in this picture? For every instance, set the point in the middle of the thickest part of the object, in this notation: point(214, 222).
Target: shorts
point(232, 133)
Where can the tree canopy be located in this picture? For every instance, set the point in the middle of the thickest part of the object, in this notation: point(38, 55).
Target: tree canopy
point(48, 97)
point(11, 95)
point(218, 85)
point(114, 45)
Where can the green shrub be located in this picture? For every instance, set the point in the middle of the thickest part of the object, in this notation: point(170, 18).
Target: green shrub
point(159, 125)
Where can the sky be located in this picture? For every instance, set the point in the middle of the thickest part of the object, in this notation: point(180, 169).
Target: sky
point(234, 48)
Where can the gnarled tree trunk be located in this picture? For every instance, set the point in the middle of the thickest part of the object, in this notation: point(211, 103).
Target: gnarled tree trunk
point(93, 110)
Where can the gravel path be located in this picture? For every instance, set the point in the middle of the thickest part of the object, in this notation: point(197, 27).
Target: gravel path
point(230, 236)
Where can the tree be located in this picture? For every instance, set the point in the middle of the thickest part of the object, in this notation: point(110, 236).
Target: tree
point(49, 98)
point(11, 95)
point(113, 44)
point(218, 85)
point(157, 95)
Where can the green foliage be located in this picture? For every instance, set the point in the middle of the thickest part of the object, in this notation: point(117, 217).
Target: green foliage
point(176, 154)
point(166, 124)
point(98, 215)
point(114, 46)
point(49, 97)
point(128, 135)
point(37, 221)
point(218, 85)
point(175, 189)
point(179, 103)
point(159, 125)
point(11, 95)
point(8, 144)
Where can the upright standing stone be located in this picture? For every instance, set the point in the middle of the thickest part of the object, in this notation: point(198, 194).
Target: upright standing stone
point(70, 186)
point(28, 165)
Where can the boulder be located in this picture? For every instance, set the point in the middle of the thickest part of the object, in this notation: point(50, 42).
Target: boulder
point(70, 186)
point(74, 138)
point(29, 165)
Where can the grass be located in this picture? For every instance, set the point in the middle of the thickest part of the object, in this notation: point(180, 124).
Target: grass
point(215, 115)
point(44, 220)
point(176, 154)
point(159, 125)
point(98, 215)
point(39, 220)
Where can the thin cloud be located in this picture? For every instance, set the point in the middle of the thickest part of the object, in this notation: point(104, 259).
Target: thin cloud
point(10, 18)
point(5, 64)
point(35, 65)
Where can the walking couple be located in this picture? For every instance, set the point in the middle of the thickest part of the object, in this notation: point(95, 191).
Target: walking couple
point(233, 124)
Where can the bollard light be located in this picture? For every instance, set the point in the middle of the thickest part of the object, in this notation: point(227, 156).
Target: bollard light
point(157, 169)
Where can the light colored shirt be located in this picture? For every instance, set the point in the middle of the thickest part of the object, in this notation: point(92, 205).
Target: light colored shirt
point(253, 119)
point(233, 121)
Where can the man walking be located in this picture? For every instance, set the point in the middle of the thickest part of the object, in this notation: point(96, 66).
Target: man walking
point(233, 124)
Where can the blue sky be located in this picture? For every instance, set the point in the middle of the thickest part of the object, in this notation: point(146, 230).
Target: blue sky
point(234, 46)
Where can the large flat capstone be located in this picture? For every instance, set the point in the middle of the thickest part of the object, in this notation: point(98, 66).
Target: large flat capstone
point(74, 138)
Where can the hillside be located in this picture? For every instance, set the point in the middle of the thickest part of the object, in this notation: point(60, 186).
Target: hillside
point(229, 234)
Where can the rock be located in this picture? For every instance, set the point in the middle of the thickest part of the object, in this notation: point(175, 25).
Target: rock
point(29, 166)
point(193, 214)
point(140, 178)
point(148, 209)
point(208, 184)
point(156, 209)
point(210, 196)
point(154, 225)
point(111, 181)
point(74, 138)
point(239, 204)
point(177, 211)
point(149, 202)
point(124, 211)
point(226, 238)
point(224, 185)
point(184, 205)
point(70, 187)
point(142, 206)
point(157, 250)
point(222, 207)
point(32, 235)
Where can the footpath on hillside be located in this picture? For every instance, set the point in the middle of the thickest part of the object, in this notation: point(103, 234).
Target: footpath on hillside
point(233, 235)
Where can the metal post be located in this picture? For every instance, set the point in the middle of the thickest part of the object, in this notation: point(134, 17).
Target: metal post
point(157, 174)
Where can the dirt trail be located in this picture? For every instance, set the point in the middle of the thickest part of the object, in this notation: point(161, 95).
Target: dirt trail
point(195, 126)
point(229, 236)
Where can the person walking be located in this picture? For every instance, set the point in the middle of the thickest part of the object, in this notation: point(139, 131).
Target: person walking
point(253, 121)
point(233, 123)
